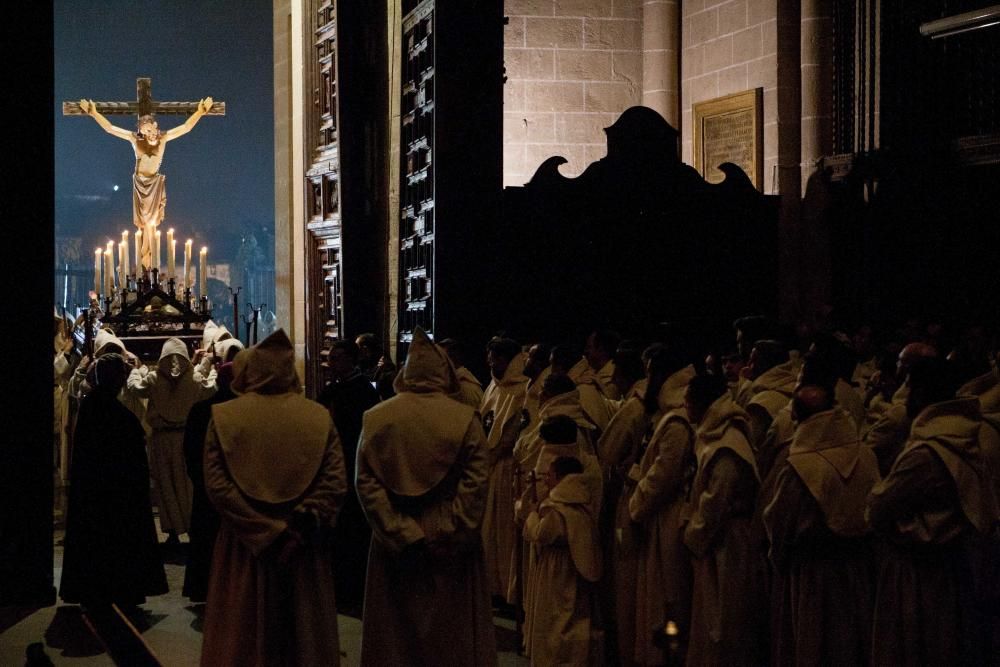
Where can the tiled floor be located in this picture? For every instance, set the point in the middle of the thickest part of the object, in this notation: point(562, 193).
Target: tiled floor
point(173, 632)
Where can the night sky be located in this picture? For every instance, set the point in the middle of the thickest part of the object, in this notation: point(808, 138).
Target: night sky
point(220, 176)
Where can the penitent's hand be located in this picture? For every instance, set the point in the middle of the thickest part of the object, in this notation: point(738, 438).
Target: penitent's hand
point(205, 105)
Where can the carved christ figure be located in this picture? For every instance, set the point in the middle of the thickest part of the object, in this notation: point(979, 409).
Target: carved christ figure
point(149, 190)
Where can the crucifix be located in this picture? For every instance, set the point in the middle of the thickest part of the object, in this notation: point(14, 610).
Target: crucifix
point(149, 196)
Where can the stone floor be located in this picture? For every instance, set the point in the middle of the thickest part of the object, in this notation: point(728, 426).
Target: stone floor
point(172, 629)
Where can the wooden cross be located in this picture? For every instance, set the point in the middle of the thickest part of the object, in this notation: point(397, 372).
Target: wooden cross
point(144, 104)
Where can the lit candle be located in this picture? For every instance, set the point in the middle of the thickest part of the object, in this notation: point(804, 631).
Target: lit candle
point(148, 239)
point(138, 252)
point(203, 272)
point(109, 269)
point(109, 253)
point(97, 271)
point(171, 252)
point(157, 257)
point(124, 254)
point(187, 263)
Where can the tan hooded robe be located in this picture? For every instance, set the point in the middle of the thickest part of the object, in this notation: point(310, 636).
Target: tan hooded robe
point(470, 391)
point(932, 510)
point(727, 606)
point(533, 455)
point(273, 462)
point(171, 389)
point(564, 530)
point(820, 551)
point(638, 547)
point(887, 428)
point(986, 388)
point(422, 474)
point(663, 582)
point(501, 413)
point(766, 395)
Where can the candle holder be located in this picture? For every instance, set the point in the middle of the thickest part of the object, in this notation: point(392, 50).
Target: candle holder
point(171, 287)
point(204, 304)
point(156, 278)
point(187, 297)
point(107, 303)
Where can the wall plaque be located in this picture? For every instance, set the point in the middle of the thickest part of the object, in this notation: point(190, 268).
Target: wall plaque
point(730, 129)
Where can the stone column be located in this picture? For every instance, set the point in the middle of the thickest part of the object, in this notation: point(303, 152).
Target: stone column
point(789, 156)
point(661, 46)
point(817, 141)
point(290, 39)
point(817, 83)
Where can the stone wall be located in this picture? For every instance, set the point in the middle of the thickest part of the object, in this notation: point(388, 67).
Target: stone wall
point(729, 46)
point(572, 67)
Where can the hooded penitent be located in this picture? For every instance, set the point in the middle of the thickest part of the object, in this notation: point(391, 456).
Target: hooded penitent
point(274, 470)
point(267, 368)
point(263, 460)
point(836, 468)
point(530, 443)
point(774, 387)
point(421, 475)
point(502, 403)
point(413, 445)
point(951, 430)
point(571, 497)
point(213, 333)
point(106, 341)
point(719, 429)
point(227, 347)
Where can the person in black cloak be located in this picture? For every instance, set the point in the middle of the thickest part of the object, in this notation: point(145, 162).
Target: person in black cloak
point(204, 518)
point(347, 396)
point(111, 552)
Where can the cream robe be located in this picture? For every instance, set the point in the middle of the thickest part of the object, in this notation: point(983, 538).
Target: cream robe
point(501, 413)
point(169, 402)
point(767, 394)
point(604, 376)
point(888, 432)
point(847, 399)
point(816, 526)
point(663, 584)
point(471, 392)
point(727, 600)
point(863, 373)
point(533, 397)
point(620, 450)
point(986, 388)
point(593, 395)
point(268, 458)
point(533, 456)
point(422, 474)
point(932, 507)
point(564, 529)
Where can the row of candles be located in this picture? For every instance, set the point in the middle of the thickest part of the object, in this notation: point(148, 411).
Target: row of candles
point(106, 258)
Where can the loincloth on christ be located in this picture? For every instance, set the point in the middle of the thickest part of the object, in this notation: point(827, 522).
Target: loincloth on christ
point(149, 199)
